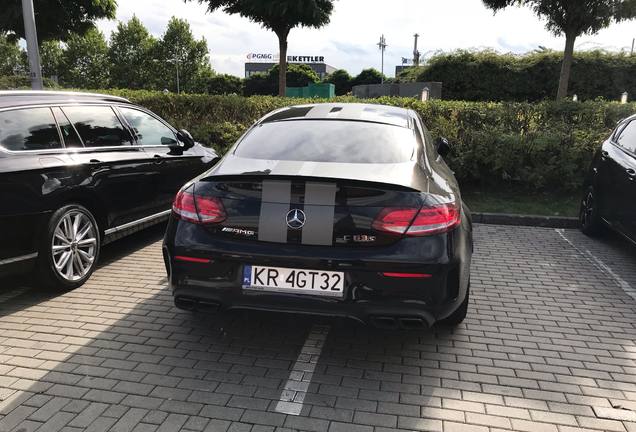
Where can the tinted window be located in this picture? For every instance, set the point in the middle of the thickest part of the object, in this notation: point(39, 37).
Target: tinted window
point(148, 129)
point(28, 129)
point(627, 138)
point(69, 134)
point(329, 141)
point(98, 126)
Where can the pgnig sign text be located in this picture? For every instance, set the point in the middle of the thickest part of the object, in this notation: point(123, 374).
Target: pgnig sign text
point(268, 57)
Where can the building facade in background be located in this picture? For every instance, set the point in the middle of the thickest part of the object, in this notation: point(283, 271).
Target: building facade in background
point(259, 63)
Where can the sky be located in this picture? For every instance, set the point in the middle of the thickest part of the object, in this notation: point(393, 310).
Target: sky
point(350, 40)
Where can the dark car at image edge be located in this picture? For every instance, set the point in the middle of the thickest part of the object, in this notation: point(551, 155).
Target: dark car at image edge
point(340, 210)
point(609, 199)
point(78, 170)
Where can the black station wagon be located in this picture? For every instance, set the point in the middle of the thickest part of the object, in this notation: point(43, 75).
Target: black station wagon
point(78, 170)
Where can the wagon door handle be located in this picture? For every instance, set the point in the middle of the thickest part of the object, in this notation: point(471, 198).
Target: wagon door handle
point(631, 173)
point(158, 158)
point(95, 161)
point(604, 155)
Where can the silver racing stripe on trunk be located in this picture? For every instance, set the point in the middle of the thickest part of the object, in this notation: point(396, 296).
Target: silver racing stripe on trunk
point(275, 200)
point(320, 202)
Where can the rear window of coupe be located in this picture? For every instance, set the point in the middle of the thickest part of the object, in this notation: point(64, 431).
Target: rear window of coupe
point(328, 141)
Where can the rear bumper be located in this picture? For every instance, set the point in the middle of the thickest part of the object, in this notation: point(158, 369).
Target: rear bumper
point(386, 302)
point(398, 314)
point(369, 297)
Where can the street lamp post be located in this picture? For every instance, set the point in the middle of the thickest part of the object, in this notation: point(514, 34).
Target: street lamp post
point(382, 45)
point(33, 51)
point(416, 52)
point(176, 59)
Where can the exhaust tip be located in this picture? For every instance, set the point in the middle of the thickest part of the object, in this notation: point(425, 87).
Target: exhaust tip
point(385, 322)
point(412, 323)
point(185, 303)
point(207, 306)
point(399, 322)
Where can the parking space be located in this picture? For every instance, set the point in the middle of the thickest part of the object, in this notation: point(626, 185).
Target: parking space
point(549, 345)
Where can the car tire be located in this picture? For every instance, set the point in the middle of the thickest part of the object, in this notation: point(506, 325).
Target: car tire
point(589, 218)
point(459, 315)
point(69, 248)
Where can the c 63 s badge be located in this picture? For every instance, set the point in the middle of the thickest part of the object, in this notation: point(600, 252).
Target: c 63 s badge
point(356, 239)
point(239, 231)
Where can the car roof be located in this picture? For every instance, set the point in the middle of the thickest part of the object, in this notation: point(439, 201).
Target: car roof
point(13, 98)
point(375, 113)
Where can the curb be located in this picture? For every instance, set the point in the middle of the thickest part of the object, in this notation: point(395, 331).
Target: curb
point(526, 220)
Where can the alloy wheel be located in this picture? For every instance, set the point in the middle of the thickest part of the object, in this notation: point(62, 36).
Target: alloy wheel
point(74, 245)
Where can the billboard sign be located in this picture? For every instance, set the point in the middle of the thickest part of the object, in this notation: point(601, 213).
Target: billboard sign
point(273, 58)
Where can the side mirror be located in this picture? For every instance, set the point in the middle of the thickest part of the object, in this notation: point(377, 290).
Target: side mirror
point(171, 142)
point(185, 137)
point(443, 147)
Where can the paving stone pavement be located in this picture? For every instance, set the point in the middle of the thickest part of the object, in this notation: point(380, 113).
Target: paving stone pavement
point(549, 345)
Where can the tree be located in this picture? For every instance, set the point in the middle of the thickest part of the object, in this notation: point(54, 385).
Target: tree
point(55, 19)
point(131, 55)
point(259, 84)
point(298, 75)
point(367, 76)
point(11, 61)
point(573, 18)
point(341, 79)
point(179, 49)
point(220, 84)
point(51, 54)
point(279, 16)
point(86, 61)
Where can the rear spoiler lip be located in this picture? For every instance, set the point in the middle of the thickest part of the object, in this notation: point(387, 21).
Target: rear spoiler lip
point(350, 181)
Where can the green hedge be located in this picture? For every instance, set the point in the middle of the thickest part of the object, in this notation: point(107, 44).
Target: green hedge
point(540, 146)
point(21, 82)
point(490, 76)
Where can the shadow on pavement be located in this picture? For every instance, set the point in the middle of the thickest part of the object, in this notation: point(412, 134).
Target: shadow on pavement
point(116, 353)
point(20, 284)
point(610, 253)
point(547, 334)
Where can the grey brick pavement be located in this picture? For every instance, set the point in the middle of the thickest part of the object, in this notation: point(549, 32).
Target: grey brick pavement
point(549, 345)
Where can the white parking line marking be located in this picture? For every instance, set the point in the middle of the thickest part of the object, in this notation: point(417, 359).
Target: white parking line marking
point(622, 283)
point(293, 395)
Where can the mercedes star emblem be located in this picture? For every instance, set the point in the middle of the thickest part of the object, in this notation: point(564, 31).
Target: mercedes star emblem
point(296, 219)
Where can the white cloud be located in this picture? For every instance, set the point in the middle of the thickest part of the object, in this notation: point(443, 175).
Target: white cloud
point(349, 41)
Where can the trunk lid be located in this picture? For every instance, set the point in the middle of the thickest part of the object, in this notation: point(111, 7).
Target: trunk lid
point(406, 174)
point(310, 211)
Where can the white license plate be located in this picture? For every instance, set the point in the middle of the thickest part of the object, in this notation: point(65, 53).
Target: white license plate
point(299, 281)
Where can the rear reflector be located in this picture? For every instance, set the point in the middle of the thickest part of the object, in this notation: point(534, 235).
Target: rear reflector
point(418, 222)
point(408, 275)
point(192, 259)
point(198, 209)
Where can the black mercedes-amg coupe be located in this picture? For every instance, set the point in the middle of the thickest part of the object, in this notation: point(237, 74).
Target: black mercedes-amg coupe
point(344, 210)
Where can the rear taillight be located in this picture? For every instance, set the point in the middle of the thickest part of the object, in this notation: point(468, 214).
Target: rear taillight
point(418, 222)
point(198, 209)
point(435, 220)
point(393, 220)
